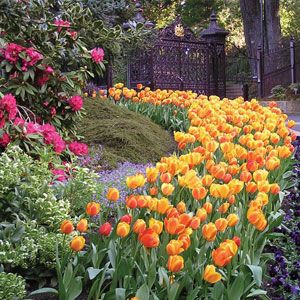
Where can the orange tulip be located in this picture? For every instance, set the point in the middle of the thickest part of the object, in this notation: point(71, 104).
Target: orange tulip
point(77, 243)
point(172, 225)
point(251, 187)
point(175, 263)
point(174, 247)
point(210, 274)
point(221, 224)
point(135, 181)
point(139, 226)
point(167, 189)
point(201, 214)
point(224, 253)
point(209, 231)
point(224, 207)
point(185, 219)
point(232, 219)
point(256, 217)
point(185, 239)
point(245, 176)
point(199, 193)
point(166, 177)
point(123, 229)
point(274, 188)
point(163, 205)
point(181, 207)
point(272, 163)
point(156, 225)
point(208, 207)
point(82, 225)
point(152, 174)
point(195, 223)
point(219, 190)
point(66, 227)
point(113, 194)
point(92, 208)
point(131, 201)
point(149, 238)
point(153, 191)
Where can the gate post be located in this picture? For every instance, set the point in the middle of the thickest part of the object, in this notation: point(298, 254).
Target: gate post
point(259, 62)
point(292, 58)
point(215, 37)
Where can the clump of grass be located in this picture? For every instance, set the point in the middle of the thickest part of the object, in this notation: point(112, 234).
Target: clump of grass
point(123, 134)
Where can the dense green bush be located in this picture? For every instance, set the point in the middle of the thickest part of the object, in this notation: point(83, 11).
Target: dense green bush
point(12, 286)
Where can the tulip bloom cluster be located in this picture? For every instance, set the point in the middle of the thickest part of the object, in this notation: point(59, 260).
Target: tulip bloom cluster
point(208, 208)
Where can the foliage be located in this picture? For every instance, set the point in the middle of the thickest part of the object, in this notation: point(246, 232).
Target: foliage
point(200, 229)
point(12, 286)
point(124, 135)
point(278, 92)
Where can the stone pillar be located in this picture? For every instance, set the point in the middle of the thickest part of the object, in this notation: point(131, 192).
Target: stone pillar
point(215, 36)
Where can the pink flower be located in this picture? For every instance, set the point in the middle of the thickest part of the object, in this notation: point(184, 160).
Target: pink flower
point(53, 111)
point(49, 70)
point(97, 55)
point(8, 104)
point(4, 140)
point(34, 56)
point(43, 79)
point(61, 24)
point(51, 137)
point(19, 121)
point(73, 34)
point(76, 102)
point(60, 174)
point(78, 148)
point(32, 128)
point(11, 52)
point(2, 122)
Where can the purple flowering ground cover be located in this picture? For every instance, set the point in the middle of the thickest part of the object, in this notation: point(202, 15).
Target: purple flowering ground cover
point(284, 272)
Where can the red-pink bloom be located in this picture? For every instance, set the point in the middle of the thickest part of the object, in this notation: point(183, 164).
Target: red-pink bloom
point(105, 229)
point(34, 56)
point(19, 121)
point(8, 104)
point(60, 174)
point(11, 52)
point(53, 111)
point(76, 103)
point(126, 218)
point(4, 140)
point(43, 79)
point(31, 128)
point(61, 24)
point(49, 69)
point(78, 148)
point(2, 122)
point(53, 138)
point(97, 55)
point(73, 34)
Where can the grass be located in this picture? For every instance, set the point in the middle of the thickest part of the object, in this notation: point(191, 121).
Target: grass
point(124, 135)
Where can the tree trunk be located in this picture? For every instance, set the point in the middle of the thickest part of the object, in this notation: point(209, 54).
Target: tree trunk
point(272, 24)
point(250, 11)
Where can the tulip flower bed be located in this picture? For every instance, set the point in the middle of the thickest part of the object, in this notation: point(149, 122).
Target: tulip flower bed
point(199, 230)
point(173, 116)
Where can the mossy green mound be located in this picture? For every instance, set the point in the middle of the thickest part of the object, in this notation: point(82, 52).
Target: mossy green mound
point(124, 135)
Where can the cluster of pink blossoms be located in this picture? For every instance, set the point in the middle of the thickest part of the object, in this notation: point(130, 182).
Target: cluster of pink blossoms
point(76, 102)
point(8, 109)
point(65, 24)
point(78, 148)
point(11, 52)
point(97, 55)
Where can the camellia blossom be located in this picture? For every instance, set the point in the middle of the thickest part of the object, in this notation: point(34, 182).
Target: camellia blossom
point(76, 103)
point(97, 55)
point(9, 105)
point(4, 140)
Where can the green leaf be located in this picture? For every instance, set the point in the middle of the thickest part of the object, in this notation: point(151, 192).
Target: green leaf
point(93, 272)
point(75, 288)
point(257, 293)
point(143, 292)
point(120, 294)
point(257, 273)
point(237, 288)
point(172, 292)
point(194, 293)
point(218, 291)
point(44, 290)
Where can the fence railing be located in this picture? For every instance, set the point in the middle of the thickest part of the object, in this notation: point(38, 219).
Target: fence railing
point(280, 66)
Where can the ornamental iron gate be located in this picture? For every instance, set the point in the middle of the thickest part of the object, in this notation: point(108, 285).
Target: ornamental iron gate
point(180, 61)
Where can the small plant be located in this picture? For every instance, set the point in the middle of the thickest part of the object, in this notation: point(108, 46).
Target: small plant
point(279, 92)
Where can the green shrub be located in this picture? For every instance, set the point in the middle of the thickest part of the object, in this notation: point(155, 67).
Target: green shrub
point(278, 92)
point(12, 286)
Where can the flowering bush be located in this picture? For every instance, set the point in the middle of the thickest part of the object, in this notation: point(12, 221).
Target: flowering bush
point(200, 230)
point(47, 69)
point(12, 286)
